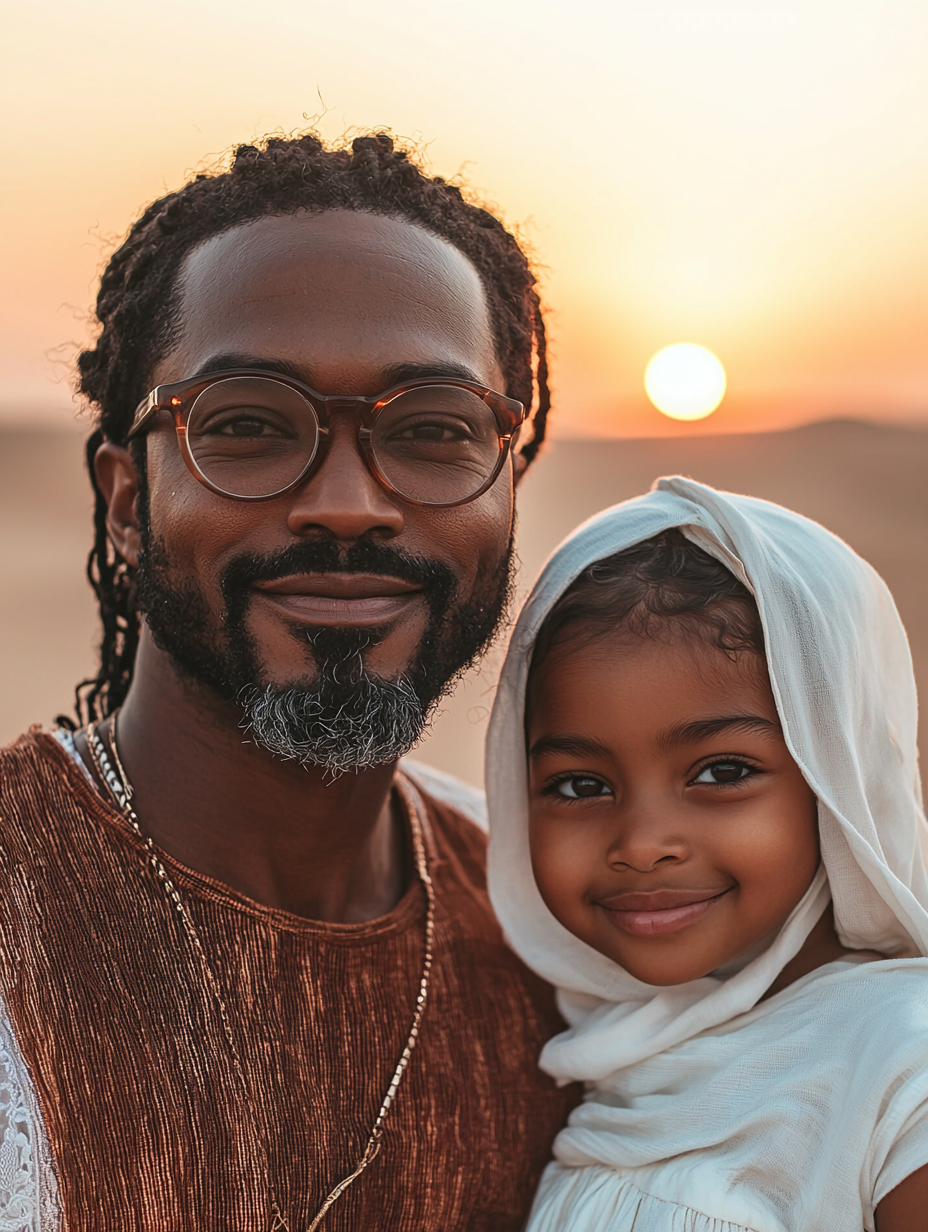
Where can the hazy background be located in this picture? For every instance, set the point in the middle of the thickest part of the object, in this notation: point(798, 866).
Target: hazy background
point(865, 481)
point(751, 175)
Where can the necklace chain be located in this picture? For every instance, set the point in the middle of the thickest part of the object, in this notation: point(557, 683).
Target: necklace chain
point(121, 789)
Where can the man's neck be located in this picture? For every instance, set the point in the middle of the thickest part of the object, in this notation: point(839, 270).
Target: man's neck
point(287, 836)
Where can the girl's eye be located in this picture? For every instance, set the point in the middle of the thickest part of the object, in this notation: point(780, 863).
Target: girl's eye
point(581, 787)
point(724, 772)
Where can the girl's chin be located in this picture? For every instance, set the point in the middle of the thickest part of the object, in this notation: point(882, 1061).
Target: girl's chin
point(665, 965)
point(664, 978)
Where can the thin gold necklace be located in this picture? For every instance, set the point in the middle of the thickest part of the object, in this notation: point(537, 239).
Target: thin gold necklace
point(121, 789)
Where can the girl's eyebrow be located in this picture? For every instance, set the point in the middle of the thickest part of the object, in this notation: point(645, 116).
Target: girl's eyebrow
point(704, 729)
point(576, 746)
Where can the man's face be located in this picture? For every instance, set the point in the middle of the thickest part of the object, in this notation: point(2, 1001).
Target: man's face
point(340, 583)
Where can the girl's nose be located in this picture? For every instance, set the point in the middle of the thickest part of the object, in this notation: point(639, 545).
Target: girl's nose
point(647, 835)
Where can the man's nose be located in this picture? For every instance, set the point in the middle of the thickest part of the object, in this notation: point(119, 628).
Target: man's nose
point(342, 497)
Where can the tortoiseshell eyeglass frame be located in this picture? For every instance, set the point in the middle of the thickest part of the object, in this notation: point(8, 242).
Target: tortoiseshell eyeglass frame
point(179, 397)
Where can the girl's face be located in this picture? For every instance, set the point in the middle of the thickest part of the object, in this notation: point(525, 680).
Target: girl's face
point(670, 828)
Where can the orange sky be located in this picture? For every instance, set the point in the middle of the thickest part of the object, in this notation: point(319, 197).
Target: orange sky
point(751, 175)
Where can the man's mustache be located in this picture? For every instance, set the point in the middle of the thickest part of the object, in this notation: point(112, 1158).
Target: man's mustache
point(326, 556)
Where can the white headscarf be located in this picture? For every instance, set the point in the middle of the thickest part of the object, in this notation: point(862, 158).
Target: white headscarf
point(842, 680)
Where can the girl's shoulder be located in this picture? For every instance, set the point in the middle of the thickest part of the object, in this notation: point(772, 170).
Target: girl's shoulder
point(858, 979)
point(882, 1002)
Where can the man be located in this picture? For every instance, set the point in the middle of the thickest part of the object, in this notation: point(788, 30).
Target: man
point(251, 976)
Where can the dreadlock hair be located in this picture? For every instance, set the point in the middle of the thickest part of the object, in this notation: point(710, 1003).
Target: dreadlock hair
point(137, 308)
point(665, 584)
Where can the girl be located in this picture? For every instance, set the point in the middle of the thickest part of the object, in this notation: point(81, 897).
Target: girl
point(706, 829)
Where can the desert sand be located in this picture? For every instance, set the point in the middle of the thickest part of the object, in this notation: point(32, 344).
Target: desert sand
point(867, 483)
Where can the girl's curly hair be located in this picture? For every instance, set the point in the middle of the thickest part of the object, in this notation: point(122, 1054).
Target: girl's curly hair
point(665, 583)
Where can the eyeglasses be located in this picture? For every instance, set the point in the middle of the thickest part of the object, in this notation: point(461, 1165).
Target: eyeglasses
point(252, 435)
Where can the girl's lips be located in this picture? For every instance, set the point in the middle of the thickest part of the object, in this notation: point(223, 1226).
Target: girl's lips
point(657, 920)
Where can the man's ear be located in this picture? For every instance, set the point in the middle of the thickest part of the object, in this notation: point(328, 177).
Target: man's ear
point(519, 467)
point(119, 482)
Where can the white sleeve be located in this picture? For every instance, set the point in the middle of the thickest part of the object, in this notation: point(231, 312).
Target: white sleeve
point(900, 1142)
point(28, 1186)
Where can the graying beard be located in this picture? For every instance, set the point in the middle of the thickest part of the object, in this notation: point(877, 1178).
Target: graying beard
point(380, 722)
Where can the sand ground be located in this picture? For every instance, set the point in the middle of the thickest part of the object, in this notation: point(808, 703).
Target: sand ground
point(869, 484)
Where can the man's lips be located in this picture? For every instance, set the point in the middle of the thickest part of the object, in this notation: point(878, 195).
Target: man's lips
point(654, 913)
point(341, 598)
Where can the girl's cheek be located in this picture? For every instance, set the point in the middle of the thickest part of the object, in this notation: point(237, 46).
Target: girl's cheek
point(562, 866)
point(542, 844)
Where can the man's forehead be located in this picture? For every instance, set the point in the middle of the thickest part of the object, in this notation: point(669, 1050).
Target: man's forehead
point(339, 295)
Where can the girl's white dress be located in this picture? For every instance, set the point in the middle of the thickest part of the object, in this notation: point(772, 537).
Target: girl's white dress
point(802, 1113)
point(709, 1109)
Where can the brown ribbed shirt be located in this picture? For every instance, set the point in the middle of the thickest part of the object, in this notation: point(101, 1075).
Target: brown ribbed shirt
point(148, 1127)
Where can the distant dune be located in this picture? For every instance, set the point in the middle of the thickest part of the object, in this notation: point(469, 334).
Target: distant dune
point(867, 483)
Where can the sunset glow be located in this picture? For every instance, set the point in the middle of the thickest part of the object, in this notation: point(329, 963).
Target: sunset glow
point(748, 173)
point(685, 381)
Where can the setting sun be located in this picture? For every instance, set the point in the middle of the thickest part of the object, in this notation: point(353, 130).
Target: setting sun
point(685, 381)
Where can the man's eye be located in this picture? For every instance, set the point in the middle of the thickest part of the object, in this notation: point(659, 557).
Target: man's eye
point(240, 422)
point(439, 431)
point(581, 787)
point(246, 427)
point(724, 772)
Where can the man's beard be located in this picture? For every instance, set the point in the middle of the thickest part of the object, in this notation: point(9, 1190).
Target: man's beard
point(347, 718)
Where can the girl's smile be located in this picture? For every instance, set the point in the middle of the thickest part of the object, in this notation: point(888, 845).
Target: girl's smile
point(670, 827)
point(653, 913)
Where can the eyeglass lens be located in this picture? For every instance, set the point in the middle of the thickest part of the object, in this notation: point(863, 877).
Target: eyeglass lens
point(253, 436)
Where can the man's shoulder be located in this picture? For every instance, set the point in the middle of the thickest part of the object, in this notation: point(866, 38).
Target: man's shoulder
point(452, 793)
point(35, 771)
point(457, 820)
point(32, 749)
